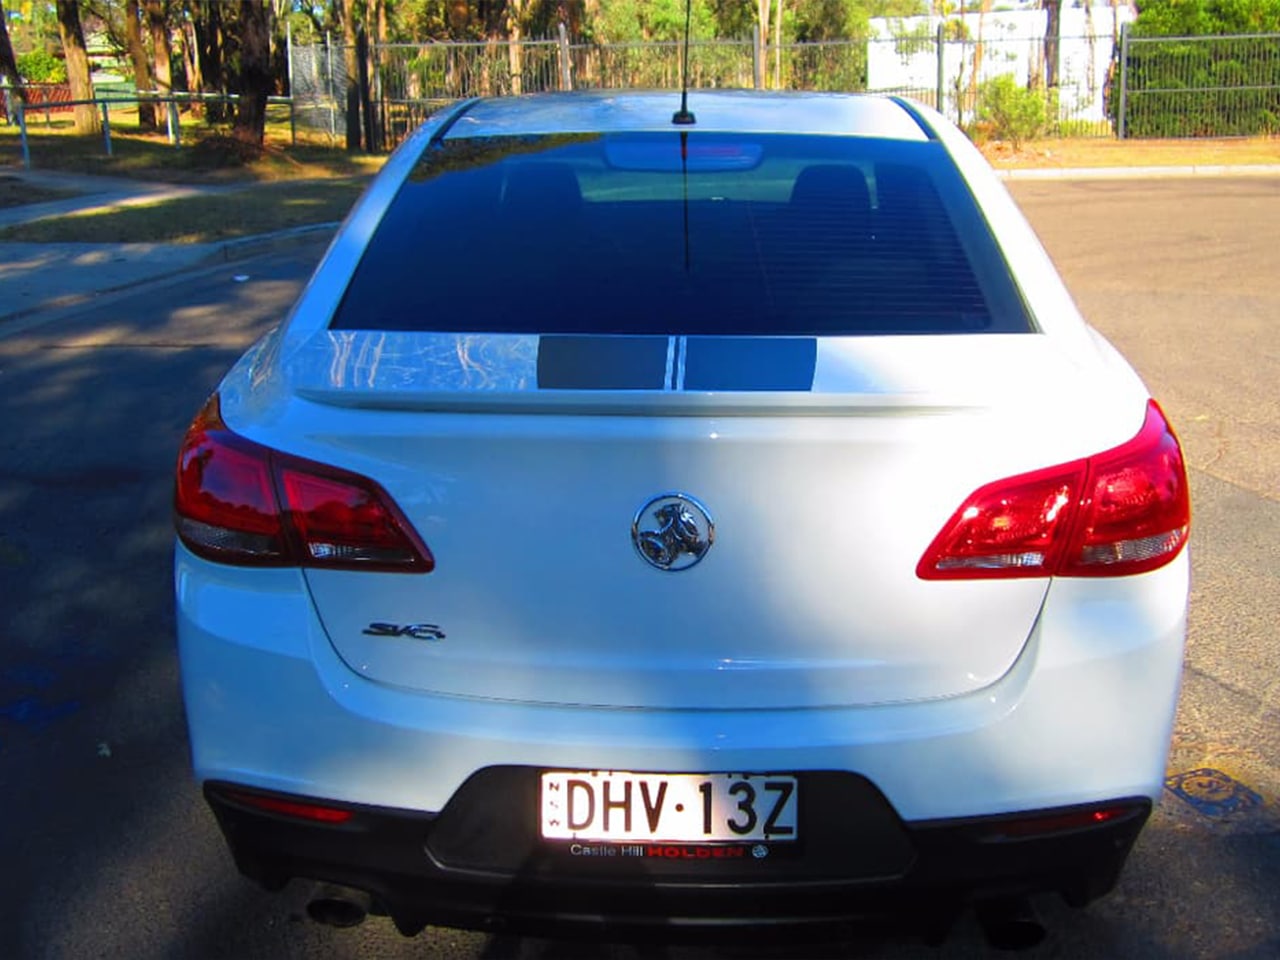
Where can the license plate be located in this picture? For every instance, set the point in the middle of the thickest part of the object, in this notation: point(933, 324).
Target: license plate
point(668, 807)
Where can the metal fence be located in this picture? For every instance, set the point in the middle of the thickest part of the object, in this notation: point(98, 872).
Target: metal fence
point(171, 105)
point(317, 82)
point(656, 66)
point(1198, 86)
point(1106, 85)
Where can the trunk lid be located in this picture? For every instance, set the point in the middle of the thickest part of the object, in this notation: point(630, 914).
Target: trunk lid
point(825, 487)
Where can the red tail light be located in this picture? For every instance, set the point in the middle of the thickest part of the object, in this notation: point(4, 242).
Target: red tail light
point(242, 503)
point(298, 808)
point(1121, 512)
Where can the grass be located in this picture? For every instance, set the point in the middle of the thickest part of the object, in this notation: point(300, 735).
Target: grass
point(17, 193)
point(201, 219)
point(206, 155)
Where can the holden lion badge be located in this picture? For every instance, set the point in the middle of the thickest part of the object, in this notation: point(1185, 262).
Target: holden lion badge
point(673, 531)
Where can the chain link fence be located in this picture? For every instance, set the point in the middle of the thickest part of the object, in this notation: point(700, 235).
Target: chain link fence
point(318, 82)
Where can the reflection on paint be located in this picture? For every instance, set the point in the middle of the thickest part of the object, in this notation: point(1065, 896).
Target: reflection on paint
point(387, 361)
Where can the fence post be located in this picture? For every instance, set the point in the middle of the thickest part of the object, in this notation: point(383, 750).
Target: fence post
point(566, 77)
point(106, 126)
point(1124, 79)
point(175, 129)
point(942, 65)
point(22, 132)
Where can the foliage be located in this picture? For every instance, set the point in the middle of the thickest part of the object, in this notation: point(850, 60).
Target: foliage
point(1068, 129)
point(1012, 112)
point(1215, 86)
point(907, 43)
point(629, 20)
point(1196, 18)
point(40, 66)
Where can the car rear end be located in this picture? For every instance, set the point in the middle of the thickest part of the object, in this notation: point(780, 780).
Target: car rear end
point(654, 526)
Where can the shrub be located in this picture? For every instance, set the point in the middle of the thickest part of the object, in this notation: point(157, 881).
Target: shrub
point(1200, 82)
point(1082, 128)
point(218, 152)
point(40, 66)
point(1199, 87)
point(1012, 112)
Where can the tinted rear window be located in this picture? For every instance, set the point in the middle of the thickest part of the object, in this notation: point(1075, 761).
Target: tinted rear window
point(654, 234)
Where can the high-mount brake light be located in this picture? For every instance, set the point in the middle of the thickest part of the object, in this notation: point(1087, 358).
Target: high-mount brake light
point(241, 503)
point(1120, 512)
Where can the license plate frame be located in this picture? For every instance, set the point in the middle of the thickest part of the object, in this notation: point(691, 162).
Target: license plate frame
point(622, 806)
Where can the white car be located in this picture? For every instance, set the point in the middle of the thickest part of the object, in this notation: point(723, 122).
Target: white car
point(655, 525)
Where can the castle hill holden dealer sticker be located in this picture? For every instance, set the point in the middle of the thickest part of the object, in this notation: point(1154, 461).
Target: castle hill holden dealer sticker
point(684, 816)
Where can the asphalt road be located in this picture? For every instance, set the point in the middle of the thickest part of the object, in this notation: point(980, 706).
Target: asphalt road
point(106, 847)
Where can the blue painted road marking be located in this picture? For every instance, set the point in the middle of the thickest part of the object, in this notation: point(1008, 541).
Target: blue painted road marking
point(1212, 792)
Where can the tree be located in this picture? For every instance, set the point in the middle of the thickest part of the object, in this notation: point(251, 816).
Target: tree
point(515, 52)
point(1052, 36)
point(211, 35)
point(351, 63)
point(138, 56)
point(255, 77)
point(77, 57)
point(762, 41)
point(161, 45)
point(9, 63)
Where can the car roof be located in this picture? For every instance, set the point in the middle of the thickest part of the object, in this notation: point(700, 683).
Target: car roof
point(723, 111)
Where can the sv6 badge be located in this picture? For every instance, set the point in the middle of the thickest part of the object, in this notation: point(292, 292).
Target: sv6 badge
point(415, 631)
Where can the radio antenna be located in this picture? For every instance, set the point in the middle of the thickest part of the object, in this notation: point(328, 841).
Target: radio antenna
point(682, 116)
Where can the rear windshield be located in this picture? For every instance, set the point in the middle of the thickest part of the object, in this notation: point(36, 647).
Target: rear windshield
point(678, 233)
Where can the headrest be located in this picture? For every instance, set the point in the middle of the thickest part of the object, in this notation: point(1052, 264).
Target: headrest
point(838, 187)
point(541, 189)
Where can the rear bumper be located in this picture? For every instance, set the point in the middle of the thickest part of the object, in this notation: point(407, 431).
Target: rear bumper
point(1082, 718)
point(469, 867)
point(1084, 714)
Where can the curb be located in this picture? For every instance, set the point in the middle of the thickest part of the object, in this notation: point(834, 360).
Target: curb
point(1138, 173)
point(227, 251)
point(242, 248)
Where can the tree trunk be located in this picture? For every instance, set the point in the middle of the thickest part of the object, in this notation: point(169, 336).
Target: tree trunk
point(515, 51)
point(87, 118)
point(161, 44)
point(9, 63)
point(206, 21)
point(975, 78)
point(777, 45)
point(255, 71)
point(352, 87)
point(762, 44)
point(191, 63)
point(1091, 37)
point(1052, 34)
point(138, 56)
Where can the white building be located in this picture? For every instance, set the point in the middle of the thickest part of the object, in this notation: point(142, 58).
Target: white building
point(902, 56)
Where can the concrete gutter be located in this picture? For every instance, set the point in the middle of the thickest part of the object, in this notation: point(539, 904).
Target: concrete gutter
point(1139, 173)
